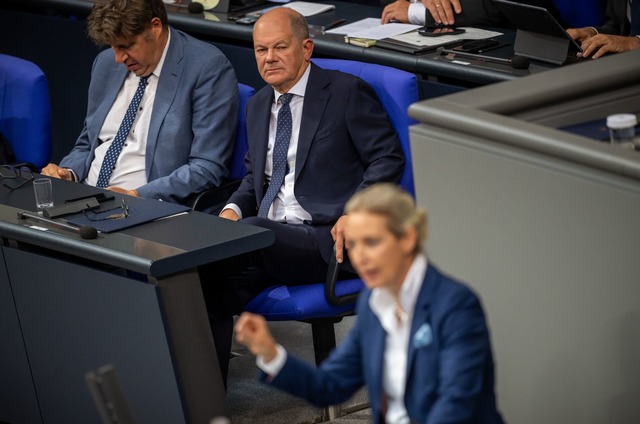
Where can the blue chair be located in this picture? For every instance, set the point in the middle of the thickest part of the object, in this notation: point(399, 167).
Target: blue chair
point(25, 110)
point(580, 13)
point(323, 304)
point(214, 199)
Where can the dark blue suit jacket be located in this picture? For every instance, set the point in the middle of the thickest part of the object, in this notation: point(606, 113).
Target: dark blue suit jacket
point(450, 375)
point(346, 143)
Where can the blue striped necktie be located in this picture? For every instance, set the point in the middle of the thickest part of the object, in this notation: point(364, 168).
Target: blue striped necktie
point(110, 158)
point(280, 149)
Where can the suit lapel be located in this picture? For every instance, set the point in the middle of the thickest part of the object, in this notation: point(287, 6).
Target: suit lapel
point(165, 93)
point(421, 315)
point(116, 77)
point(316, 97)
point(258, 131)
point(375, 344)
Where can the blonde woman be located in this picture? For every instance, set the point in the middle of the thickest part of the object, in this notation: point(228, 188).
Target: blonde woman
point(420, 341)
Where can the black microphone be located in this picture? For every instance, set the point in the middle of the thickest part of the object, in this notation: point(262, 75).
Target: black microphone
point(195, 7)
point(516, 62)
point(86, 232)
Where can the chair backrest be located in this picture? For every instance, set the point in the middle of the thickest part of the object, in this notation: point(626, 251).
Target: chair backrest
point(580, 13)
point(25, 110)
point(397, 90)
point(237, 169)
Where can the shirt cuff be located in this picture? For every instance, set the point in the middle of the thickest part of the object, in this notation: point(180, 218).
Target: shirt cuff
point(417, 13)
point(275, 365)
point(73, 174)
point(234, 208)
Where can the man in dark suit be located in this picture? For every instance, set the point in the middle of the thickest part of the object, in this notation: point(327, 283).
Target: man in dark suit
point(339, 141)
point(619, 33)
point(182, 135)
point(445, 12)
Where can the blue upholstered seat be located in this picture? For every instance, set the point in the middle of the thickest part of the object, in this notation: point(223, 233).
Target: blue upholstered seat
point(25, 110)
point(580, 13)
point(214, 199)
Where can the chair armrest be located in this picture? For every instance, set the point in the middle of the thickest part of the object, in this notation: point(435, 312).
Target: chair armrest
point(213, 200)
point(331, 282)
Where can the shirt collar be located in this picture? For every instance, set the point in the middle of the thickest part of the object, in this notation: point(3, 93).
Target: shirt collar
point(299, 88)
point(383, 303)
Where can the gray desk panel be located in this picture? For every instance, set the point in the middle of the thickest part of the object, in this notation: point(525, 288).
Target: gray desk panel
point(18, 401)
point(76, 319)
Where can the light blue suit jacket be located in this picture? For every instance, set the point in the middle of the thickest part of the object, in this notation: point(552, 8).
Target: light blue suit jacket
point(450, 371)
point(193, 123)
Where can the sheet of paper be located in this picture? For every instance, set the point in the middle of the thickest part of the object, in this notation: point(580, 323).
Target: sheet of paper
point(470, 34)
point(372, 29)
point(306, 8)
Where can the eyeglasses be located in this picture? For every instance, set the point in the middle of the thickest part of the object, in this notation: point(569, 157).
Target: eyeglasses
point(100, 215)
point(11, 172)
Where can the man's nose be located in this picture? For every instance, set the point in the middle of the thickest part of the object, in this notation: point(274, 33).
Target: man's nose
point(120, 55)
point(271, 57)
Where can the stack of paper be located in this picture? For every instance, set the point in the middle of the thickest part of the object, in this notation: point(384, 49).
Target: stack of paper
point(306, 8)
point(372, 29)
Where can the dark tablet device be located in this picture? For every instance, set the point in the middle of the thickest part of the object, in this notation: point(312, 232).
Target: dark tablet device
point(438, 30)
point(535, 19)
point(478, 46)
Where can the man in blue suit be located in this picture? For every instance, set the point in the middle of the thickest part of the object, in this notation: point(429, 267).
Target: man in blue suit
point(420, 342)
point(181, 136)
point(338, 140)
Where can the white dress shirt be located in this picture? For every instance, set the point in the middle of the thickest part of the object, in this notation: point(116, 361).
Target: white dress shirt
point(130, 171)
point(285, 207)
point(397, 324)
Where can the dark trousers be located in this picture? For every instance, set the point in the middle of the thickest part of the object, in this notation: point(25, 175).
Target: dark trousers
point(293, 259)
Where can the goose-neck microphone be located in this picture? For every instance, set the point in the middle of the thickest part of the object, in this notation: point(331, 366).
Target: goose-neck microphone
point(86, 232)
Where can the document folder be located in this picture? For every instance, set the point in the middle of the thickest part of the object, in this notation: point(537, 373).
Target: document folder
point(139, 211)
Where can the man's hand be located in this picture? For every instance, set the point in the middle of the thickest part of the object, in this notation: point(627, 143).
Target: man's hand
point(53, 170)
point(229, 214)
point(600, 44)
point(397, 11)
point(443, 10)
point(124, 191)
point(252, 331)
point(337, 232)
point(581, 34)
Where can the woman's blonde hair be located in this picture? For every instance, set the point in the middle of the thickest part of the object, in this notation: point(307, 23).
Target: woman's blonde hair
point(396, 205)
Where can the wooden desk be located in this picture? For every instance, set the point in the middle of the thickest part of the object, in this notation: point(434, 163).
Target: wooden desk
point(132, 299)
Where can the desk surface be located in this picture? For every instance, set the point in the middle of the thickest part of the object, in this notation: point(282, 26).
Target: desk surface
point(217, 26)
point(157, 248)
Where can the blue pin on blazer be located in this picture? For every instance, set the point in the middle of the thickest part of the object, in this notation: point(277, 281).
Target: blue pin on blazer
point(423, 336)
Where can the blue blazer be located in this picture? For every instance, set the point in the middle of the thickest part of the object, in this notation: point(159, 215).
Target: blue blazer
point(450, 371)
point(193, 123)
point(346, 143)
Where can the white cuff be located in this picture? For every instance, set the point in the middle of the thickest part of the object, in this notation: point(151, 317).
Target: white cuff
point(416, 13)
point(234, 208)
point(273, 368)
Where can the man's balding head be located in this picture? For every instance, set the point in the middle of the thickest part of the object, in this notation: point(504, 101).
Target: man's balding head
point(282, 47)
